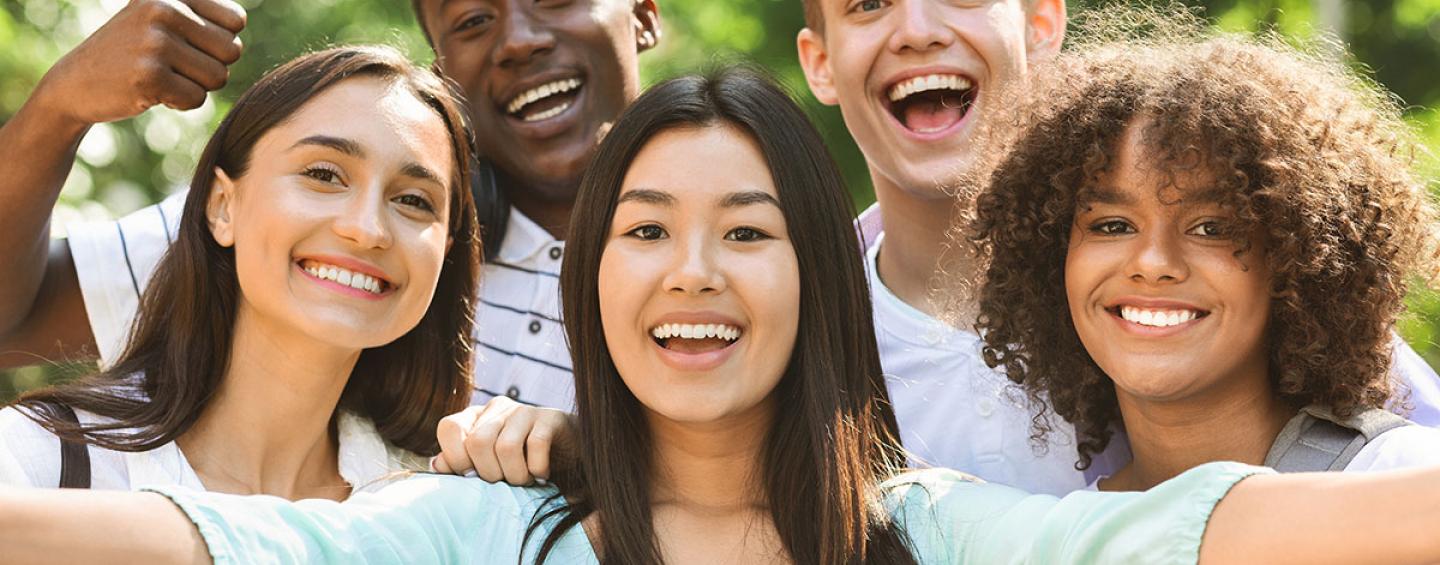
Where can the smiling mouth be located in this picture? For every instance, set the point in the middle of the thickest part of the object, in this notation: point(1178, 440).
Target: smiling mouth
point(346, 277)
point(695, 338)
point(930, 103)
point(1156, 317)
point(545, 101)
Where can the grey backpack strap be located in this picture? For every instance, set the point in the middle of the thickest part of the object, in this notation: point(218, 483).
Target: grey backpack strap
point(1316, 440)
point(74, 455)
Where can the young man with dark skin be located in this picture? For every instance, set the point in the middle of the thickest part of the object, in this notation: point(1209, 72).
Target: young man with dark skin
point(915, 80)
point(543, 79)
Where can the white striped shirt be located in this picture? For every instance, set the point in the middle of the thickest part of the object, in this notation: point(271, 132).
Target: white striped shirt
point(520, 346)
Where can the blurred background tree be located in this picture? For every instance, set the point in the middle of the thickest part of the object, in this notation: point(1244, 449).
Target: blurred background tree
point(126, 165)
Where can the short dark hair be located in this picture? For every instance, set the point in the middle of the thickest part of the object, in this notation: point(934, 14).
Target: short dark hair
point(1314, 160)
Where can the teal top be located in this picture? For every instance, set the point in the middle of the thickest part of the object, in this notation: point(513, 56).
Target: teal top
point(949, 518)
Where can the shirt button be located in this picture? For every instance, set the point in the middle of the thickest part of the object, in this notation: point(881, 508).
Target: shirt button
point(534, 326)
point(985, 407)
point(513, 393)
point(554, 252)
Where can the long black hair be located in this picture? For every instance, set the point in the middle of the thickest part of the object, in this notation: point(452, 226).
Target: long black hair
point(835, 439)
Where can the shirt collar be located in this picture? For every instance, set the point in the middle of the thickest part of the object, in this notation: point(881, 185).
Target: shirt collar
point(524, 239)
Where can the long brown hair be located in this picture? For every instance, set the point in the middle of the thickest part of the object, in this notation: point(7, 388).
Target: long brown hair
point(179, 348)
point(834, 440)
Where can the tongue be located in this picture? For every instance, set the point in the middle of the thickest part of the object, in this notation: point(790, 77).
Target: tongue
point(926, 116)
point(702, 345)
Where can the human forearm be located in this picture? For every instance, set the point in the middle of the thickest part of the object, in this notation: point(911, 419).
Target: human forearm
point(1328, 518)
point(78, 526)
point(39, 143)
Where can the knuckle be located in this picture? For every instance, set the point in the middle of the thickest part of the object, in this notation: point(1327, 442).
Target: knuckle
point(509, 447)
point(476, 443)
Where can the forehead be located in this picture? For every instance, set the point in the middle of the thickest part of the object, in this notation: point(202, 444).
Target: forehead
point(700, 164)
point(382, 116)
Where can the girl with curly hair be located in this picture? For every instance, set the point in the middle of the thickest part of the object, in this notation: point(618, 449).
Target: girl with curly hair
point(1205, 242)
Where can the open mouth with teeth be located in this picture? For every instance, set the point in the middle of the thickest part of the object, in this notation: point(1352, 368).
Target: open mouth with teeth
point(930, 103)
point(545, 101)
point(695, 338)
point(1156, 317)
point(346, 277)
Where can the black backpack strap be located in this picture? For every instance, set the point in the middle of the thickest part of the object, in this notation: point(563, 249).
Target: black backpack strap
point(1316, 440)
point(74, 455)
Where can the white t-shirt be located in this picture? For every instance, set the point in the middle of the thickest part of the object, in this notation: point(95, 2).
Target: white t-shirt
point(520, 346)
point(30, 457)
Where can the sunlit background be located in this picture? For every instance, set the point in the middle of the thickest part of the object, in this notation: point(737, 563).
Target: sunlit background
point(126, 165)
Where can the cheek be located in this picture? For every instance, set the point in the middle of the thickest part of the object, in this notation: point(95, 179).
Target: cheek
point(622, 286)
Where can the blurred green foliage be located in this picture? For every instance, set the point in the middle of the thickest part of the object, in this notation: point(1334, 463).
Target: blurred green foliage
point(126, 165)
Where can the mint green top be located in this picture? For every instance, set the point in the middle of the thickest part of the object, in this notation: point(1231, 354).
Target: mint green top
point(949, 518)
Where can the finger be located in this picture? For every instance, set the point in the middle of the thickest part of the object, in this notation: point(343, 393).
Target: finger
point(510, 448)
point(224, 13)
point(537, 451)
point(450, 433)
point(176, 91)
point(199, 67)
point(438, 465)
point(480, 441)
point(217, 42)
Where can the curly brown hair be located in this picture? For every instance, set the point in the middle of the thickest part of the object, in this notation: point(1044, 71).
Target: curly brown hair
point(1313, 159)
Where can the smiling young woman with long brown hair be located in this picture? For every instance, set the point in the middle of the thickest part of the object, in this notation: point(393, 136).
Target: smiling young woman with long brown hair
point(311, 322)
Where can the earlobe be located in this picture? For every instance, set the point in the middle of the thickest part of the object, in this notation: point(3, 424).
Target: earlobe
point(1045, 29)
point(217, 209)
point(816, 64)
point(646, 19)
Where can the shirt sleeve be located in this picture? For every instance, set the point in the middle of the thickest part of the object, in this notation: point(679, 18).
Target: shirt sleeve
point(1419, 389)
point(1406, 447)
point(29, 454)
point(423, 519)
point(953, 520)
point(114, 261)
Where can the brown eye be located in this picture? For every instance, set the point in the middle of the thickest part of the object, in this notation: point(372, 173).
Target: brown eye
point(322, 174)
point(414, 201)
point(1112, 227)
point(745, 234)
point(647, 233)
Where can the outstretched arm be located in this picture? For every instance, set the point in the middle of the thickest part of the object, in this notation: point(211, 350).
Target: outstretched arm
point(1320, 518)
point(83, 526)
point(151, 52)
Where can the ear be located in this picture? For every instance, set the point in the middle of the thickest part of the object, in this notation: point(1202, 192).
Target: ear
point(816, 63)
point(217, 209)
point(646, 19)
point(1044, 29)
point(449, 241)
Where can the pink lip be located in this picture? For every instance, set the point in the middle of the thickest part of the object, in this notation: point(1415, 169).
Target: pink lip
point(922, 71)
point(350, 264)
point(696, 362)
point(342, 289)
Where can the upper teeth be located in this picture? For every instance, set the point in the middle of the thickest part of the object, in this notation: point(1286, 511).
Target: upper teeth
point(346, 277)
point(1158, 318)
point(927, 82)
point(547, 89)
point(696, 331)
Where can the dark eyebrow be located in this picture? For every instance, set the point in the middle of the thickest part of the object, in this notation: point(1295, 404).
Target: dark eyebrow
point(746, 198)
point(647, 196)
point(340, 144)
point(418, 171)
point(1107, 195)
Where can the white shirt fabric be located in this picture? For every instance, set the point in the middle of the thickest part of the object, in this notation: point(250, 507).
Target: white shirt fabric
point(30, 457)
point(520, 348)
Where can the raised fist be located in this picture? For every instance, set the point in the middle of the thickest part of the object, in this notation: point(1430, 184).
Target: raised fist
point(152, 52)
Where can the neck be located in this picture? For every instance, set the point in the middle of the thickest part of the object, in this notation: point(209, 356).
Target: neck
point(550, 213)
point(916, 237)
point(712, 466)
point(268, 428)
point(1171, 437)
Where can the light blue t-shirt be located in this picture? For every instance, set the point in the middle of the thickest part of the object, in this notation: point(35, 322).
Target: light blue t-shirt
point(948, 517)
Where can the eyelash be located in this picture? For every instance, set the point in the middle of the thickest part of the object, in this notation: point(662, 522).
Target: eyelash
point(861, 6)
point(637, 232)
point(1102, 227)
point(415, 201)
point(659, 233)
point(758, 235)
point(316, 172)
point(473, 22)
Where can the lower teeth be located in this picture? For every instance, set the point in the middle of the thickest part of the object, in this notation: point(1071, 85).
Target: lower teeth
point(547, 114)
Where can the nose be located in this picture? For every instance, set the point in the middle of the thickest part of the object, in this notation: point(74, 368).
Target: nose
point(694, 270)
point(522, 37)
point(1157, 257)
point(919, 28)
point(363, 219)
